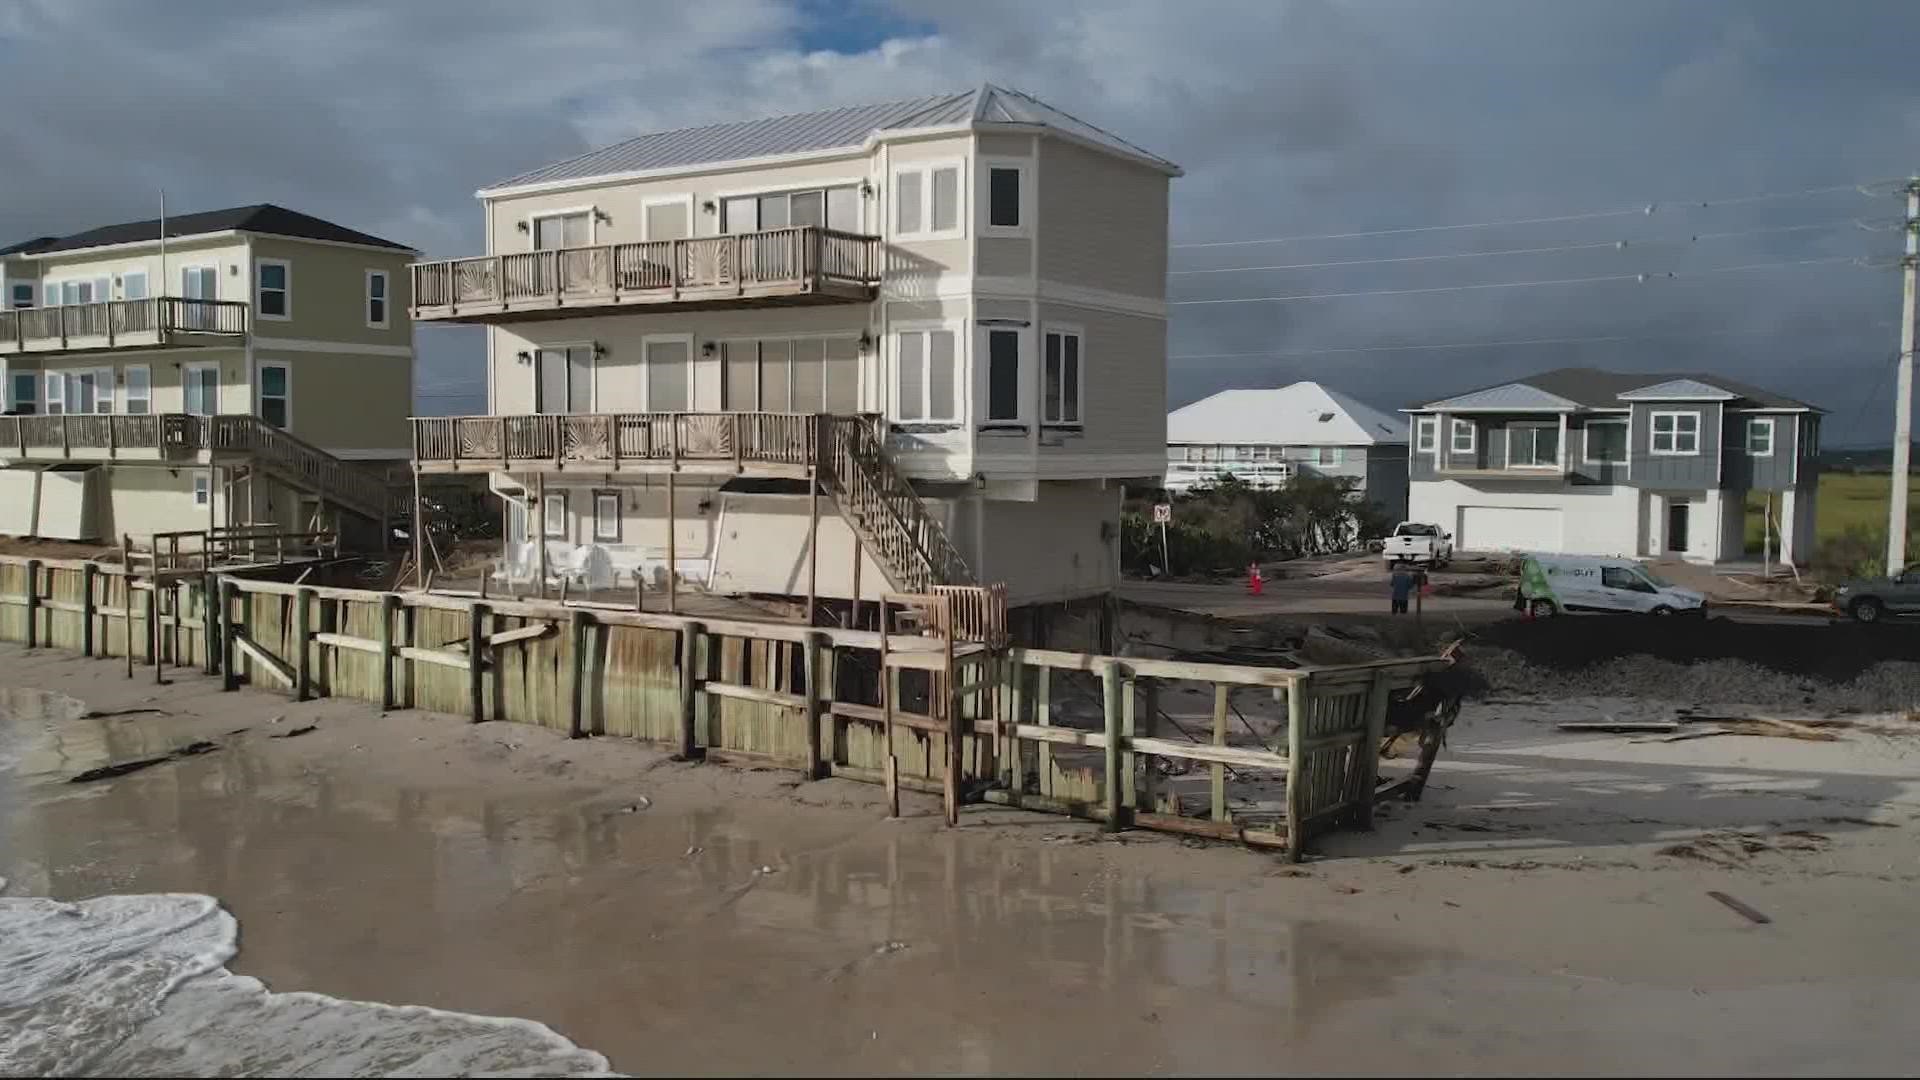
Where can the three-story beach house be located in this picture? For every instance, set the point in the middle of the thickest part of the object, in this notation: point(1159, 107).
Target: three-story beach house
point(244, 366)
point(880, 347)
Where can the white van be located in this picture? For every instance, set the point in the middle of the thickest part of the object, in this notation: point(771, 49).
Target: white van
point(1556, 584)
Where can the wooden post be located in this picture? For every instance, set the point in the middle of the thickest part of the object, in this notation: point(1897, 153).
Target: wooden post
point(1113, 687)
point(673, 574)
point(537, 532)
point(126, 613)
point(692, 682)
point(153, 631)
point(229, 673)
point(1296, 766)
point(33, 600)
point(576, 674)
point(1129, 727)
point(1370, 750)
point(1043, 716)
point(1218, 780)
point(946, 685)
point(476, 657)
point(89, 574)
point(176, 596)
point(859, 553)
point(813, 546)
point(816, 692)
point(1147, 724)
point(419, 533)
point(210, 619)
point(302, 642)
point(887, 687)
point(388, 602)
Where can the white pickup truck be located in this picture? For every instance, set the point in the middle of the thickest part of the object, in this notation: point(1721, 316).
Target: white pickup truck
point(1413, 542)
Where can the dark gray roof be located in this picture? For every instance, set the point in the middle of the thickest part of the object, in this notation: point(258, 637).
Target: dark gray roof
point(259, 218)
point(827, 129)
point(1593, 388)
point(27, 245)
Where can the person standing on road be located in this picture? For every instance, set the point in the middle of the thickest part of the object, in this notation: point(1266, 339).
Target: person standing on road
point(1404, 581)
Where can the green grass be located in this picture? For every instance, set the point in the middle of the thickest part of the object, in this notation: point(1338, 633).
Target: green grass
point(1848, 501)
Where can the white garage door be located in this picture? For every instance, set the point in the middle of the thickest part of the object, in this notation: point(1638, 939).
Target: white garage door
point(1508, 528)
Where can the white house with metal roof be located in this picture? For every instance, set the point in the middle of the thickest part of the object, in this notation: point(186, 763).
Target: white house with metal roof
point(1270, 435)
point(948, 312)
point(1607, 463)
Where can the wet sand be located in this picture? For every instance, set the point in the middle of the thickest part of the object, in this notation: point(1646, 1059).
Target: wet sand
point(703, 918)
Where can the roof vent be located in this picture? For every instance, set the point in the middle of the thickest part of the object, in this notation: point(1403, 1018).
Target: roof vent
point(1325, 416)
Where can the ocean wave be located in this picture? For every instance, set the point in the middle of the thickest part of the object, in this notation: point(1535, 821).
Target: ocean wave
point(137, 986)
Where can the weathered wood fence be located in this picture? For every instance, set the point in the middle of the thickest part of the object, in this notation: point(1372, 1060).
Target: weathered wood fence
point(907, 706)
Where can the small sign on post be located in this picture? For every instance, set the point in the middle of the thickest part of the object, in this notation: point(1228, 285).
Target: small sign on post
point(1162, 514)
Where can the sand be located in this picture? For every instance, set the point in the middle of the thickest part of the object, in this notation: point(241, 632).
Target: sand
point(1545, 909)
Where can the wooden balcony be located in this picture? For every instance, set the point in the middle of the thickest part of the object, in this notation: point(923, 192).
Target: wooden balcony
point(803, 265)
point(161, 322)
point(767, 444)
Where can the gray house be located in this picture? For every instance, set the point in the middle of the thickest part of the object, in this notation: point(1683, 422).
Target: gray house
point(1607, 463)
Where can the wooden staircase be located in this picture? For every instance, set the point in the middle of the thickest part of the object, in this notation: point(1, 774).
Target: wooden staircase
point(883, 509)
point(298, 464)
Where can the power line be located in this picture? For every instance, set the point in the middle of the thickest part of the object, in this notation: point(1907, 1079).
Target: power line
point(1638, 278)
point(1591, 339)
point(1646, 210)
point(1622, 245)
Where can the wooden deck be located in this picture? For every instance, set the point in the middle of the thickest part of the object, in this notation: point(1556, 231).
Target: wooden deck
point(168, 322)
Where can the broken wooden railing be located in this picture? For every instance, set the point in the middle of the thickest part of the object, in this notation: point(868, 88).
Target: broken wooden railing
point(911, 706)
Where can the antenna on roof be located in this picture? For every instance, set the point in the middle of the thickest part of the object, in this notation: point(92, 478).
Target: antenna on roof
point(163, 241)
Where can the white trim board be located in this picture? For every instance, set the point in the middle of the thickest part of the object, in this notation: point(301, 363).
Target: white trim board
point(307, 345)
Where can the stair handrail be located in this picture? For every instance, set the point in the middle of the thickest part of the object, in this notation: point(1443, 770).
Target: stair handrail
point(339, 480)
point(863, 471)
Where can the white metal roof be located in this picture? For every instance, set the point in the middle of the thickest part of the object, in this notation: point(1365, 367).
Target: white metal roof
point(1302, 414)
point(848, 128)
point(1675, 389)
point(1510, 396)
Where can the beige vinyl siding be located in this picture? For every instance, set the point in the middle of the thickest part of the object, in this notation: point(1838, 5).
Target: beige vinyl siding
point(1002, 309)
point(1123, 372)
point(228, 257)
point(909, 259)
point(1051, 548)
point(346, 401)
point(1102, 221)
point(329, 293)
point(1004, 257)
point(165, 369)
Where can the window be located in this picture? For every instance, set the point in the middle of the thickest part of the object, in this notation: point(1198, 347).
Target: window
point(90, 391)
point(1533, 446)
point(1003, 375)
point(1676, 433)
point(833, 208)
point(571, 229)
point(202, 389)
point(139, 395)
point(273, 289)
point(669, 381)
point(26, 393)
point(276, 393)
point(1004, 183)
point(1425, 432)
point(926, 202)
point(668, 219)
point(133, 285)
point(56, 393)
point(1061, 385)
point(924, 361)
point(1606, 441)
point(1760, 436)
point(1327, 455)
point(70, 293)
point(1463, 436)
point(21, 295)
point(553, 516)
point(606, 516)
point(377, 300)
point(563, 379)
point(1619, 577)
point(202, 489)
point(803, 375)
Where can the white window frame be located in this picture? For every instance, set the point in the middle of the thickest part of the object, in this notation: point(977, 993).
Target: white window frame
point(720, 199)
point(593, 222)
point(1325, 456)
point(53, 391)
point(1755, 423)
point(646, 360)
point(984, 347)
point(1473, 437)
point(33, 295)
point(547, 531)
point(926, 169)
point(1559, 450)
point(1426, 434)
point(1673, 448)
point(1065, 330)
point(619, 502)
point(202, 488)
point(593, 373)
point(186, 386)
point(200, 268)
point(260, 389)
point(1586, 441)
point(13, 398)
point(959, 334)
point(103, 389)
point(385, 322)
point(146, 283)
point(685, 199)
point(127, 398)
point(984, 197)
point(259, 288)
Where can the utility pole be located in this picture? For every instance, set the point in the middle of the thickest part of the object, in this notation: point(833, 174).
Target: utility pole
point(1903, 388)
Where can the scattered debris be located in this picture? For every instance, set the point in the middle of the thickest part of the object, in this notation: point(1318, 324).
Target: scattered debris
point(122, 768)
point(294, 733)
point(95, 714)
point(692, 851)
point(1751, 914)
point(1705, 733)
point(1619, 725)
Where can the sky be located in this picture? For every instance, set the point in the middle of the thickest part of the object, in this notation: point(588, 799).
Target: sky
point(1663, 124)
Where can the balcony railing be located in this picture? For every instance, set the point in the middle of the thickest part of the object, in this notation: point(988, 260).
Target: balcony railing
point(114, 324)
point(795, 262)
point(613, 439)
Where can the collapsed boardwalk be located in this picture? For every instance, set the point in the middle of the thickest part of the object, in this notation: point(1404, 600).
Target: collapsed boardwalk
point(913, 705)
